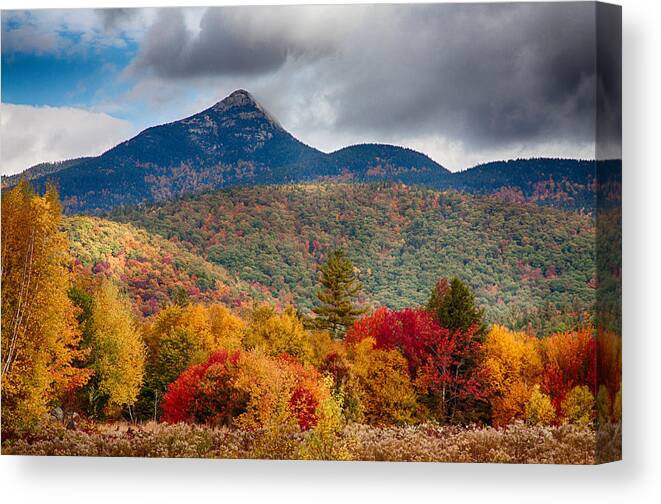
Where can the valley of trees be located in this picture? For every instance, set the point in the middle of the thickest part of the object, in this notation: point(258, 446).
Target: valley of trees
point(527, 265)
point(198, 369)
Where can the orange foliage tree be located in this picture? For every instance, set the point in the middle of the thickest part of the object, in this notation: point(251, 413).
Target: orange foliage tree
point(511, 366)
point(570, 360)
point(40, 336)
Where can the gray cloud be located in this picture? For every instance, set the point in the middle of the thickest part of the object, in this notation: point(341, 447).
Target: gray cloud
point(117, 18)
point(485, 73)
point(462, 82)
point(489, 76)
point(229, 42)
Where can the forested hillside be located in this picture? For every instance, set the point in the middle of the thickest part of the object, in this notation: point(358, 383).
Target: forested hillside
point(40, 170)
point(562, 183)
point(155, 272)
point(520, 259)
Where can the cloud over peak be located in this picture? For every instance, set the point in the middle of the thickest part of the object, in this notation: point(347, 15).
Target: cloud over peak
point(463, 82)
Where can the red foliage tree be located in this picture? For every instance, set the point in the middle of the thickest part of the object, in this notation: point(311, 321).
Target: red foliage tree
point(303, 405)
point(441, 361)
point(570, 360)
point(210, 393)
point(203, 393)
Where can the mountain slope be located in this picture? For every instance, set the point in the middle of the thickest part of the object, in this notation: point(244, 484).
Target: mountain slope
point(388, 162)
point(151, 269)
point(237, 142)
point(517, 257)
point(40, 170)
point(234, 142)
point(563, 183)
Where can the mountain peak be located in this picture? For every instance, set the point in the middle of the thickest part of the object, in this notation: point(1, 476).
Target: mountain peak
point(240, 99)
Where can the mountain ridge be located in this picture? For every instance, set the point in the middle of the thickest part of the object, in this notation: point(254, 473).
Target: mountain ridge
point(237, 142)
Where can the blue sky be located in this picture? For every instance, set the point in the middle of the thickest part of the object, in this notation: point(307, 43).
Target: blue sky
point(462, 83)
point(67, 80)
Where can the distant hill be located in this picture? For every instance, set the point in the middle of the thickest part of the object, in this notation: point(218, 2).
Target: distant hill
point(519, 258)
point(563, 183)
point(151, 269)
point(367, 162)
point(236, 142)
point(40, 170)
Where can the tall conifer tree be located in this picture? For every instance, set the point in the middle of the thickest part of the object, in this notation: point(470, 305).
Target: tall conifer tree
point(339, 289)
point(452, 304)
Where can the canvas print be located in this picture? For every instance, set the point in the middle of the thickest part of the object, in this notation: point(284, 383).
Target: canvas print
point(344, 232)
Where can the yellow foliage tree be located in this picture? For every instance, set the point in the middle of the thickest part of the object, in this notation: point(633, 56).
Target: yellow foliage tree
point(380, 380)
point(181, 336)
point(539, 409)
point(512, 365)
point(174, 322)
point(117, 350)
point(40, 336)
point(209, 328)
point(269, 387)
point(578, 407)
point(278, 333)
point(617, 406)
point(604, 405)
point(225, 327)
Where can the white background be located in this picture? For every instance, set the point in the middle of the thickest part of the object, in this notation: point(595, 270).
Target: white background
point(636, 479)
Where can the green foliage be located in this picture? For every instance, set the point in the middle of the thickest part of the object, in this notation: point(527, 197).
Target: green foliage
point(339, 289)
point(453, 306)
point(515, 257)
point(154, 272)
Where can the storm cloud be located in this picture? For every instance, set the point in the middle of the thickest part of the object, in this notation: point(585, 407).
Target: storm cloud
point(485, 75)
point(464, 83)
point(236, 41)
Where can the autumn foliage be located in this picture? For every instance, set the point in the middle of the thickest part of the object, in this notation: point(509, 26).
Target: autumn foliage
point(570, 360)
point(552, 380)
point(247, 389)
point(40, 336)
point(441, 362)
point(79, 340)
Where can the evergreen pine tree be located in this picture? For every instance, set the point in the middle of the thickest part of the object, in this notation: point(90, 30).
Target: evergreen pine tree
point(452, 304)
point(339, 289)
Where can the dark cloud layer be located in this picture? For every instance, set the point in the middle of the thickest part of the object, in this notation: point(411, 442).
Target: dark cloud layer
point(483, 74)
point(229, 41)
